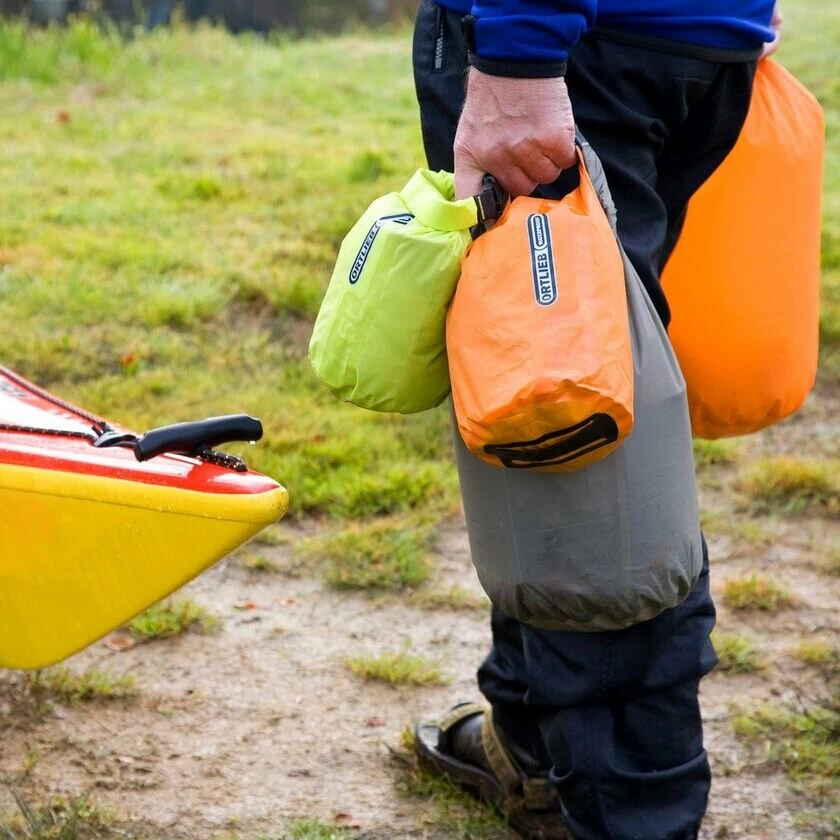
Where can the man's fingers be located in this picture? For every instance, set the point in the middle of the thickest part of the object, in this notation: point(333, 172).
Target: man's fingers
point(521, 131)
point(516, 182)
point(542, 170)
point(562, 154)
point(540, 165)
point(469, 178)
point(770, 48)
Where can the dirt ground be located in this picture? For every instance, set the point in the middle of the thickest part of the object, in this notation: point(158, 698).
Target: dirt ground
point(237, 733)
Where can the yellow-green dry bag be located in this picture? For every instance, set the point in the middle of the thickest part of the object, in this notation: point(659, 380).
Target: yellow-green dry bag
point(380, 336)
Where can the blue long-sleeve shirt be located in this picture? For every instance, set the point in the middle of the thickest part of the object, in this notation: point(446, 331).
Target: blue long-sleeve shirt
point(545, 30)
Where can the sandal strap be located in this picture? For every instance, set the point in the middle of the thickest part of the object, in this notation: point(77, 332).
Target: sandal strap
point(521, 790)
point(535, 794)
point(508, 774)
point(455, 716)
point(458, 714)
point(540, 795)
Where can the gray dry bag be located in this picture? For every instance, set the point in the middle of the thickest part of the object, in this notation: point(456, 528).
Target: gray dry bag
point(617, 542)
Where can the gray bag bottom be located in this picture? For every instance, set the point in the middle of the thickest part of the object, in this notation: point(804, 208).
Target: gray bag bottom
point(615, 543)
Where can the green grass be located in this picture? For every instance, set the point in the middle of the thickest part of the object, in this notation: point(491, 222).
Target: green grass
point(309, 829)
point(831, 563)
point(47, 55)
point(806, 744)
point(77, 817)
point(816, 652)
point(170, 212)
point(60, 818)
point(789, 486)
point(736, 654)
point(449, 808)
point(822, 823)
point(452, 811)
point(455, 598)
point(755, 592)
point(168, 243)
point(172, 618)
point(168, 238)
point(397, 668)
point(811, 29)
point(258, 563)
point(386, 555)
point(709, 453)
point(830, 318)
point(726, 523)
point(271, 537)
point(63, 684)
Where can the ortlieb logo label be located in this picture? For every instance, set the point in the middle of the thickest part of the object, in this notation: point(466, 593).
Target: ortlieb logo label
point(542, 259)
point(364, 251)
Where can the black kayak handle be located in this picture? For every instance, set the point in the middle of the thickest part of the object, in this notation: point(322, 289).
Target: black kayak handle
point(190, 438)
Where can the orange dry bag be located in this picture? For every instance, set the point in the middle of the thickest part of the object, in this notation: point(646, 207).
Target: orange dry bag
point(538, 339)
point(743, 281)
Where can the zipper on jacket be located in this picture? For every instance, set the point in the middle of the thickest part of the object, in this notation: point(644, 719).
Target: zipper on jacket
point(440, 40)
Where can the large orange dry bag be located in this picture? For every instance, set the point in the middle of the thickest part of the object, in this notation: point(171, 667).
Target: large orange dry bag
point(538, 338)
point(743, 281)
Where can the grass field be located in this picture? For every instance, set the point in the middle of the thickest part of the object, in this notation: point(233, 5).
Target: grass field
point(169, 214)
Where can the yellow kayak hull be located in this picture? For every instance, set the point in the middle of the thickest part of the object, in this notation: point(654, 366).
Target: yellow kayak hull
point(82, 554)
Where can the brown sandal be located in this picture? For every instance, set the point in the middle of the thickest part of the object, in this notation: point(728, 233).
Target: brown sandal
point(531, 803)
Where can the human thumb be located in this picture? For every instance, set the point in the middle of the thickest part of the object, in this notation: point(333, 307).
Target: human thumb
point(469, 178)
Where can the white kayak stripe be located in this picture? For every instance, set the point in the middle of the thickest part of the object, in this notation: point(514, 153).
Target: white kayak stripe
point(16, 412)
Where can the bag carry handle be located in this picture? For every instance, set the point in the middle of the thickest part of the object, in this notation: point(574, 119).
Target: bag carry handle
point(558, 447)
point(492, 199)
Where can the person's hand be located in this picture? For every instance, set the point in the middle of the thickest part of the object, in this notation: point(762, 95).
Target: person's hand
point(521, 131)
point(776, 23)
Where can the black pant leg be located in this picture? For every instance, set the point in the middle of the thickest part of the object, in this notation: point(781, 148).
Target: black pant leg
point(702, 143)
point(440, 63)
point(620, 718)
point(608, 705)
point(661, 125)
point(504, 680)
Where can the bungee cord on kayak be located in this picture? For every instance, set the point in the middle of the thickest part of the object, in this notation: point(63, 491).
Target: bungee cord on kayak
point(193, 439)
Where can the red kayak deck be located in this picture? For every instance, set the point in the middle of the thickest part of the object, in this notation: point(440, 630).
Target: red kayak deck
point(90, 537)
point(24, 404)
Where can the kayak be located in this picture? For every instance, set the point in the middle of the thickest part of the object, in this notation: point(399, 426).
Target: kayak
point(97, 524)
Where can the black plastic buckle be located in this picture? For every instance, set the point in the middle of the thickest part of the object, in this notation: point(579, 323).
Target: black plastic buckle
point(108, 437)
point(490, 203)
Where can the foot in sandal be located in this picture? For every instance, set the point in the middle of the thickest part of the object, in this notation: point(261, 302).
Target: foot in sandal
point(468, 748)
